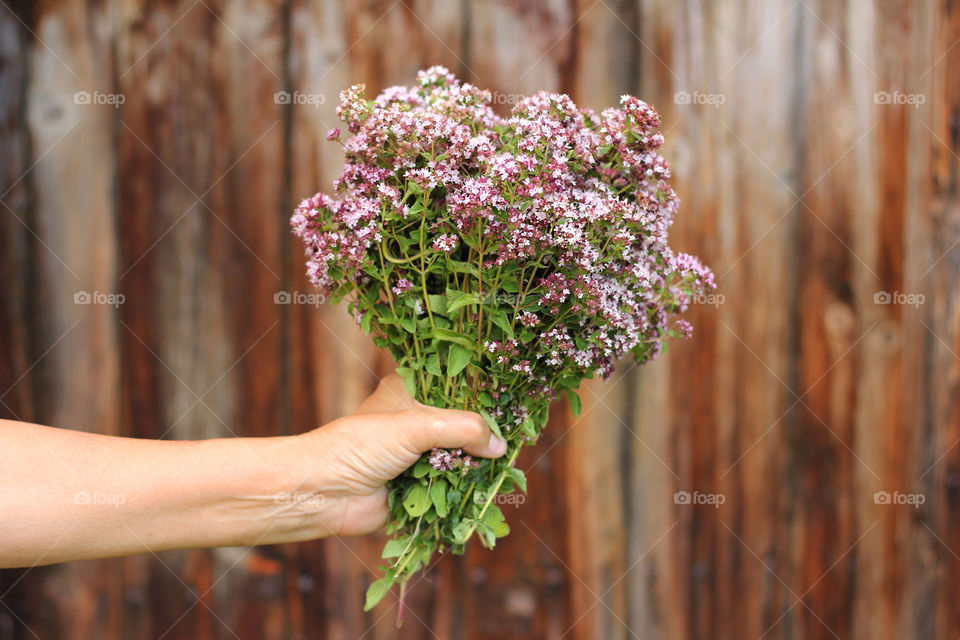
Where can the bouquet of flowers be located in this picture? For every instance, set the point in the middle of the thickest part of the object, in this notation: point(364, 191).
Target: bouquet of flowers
point(500, 260)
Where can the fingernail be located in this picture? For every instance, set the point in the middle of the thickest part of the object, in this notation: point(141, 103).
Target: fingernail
point(497, 446)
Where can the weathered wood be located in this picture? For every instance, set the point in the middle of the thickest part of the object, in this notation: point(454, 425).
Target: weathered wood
point(798, 398)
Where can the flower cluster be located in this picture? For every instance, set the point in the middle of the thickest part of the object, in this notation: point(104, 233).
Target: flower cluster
point(501, 260)
point(450, 459)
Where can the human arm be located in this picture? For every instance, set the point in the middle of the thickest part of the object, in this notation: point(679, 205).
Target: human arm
point(69, 495)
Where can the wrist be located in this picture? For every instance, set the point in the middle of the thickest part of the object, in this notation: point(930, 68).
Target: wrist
point(270, 491)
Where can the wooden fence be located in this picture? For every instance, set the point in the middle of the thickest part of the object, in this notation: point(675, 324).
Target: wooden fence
point(815, 148)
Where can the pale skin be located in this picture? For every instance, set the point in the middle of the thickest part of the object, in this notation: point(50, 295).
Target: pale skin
point(70, 495)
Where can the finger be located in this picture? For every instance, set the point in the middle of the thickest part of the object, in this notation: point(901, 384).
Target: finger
point(427, 428)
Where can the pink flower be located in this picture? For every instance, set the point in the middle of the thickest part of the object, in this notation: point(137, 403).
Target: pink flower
point(450, 459)
point(446, 242)
point(402, 285)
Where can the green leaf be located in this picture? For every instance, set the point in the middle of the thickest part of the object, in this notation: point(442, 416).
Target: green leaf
point(394, 548)
point(421, 469)
point(438, 303)
point(510, 285)
point(417, 501)
point(493, 518)
point(500, 319)
point(462, 531)
point(409, 377)
point(485, 399)
point(376, 592)
point(575, 406)
point(450, 336)
point(457, 360)
point(409, 324)
point(465, 267)
point(453, 304)
point(487, 535)
point(518, 478)
point(438, 493)
point(433, 365)
point(490, 422)
point(365, 322)
point(529, 428)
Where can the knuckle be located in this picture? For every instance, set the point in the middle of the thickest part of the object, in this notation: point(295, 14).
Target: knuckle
point(479, 425)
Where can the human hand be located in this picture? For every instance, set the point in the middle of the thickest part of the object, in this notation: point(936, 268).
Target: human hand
point(356, 455)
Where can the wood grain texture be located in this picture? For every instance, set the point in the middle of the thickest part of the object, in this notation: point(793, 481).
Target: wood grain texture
point(800, 396)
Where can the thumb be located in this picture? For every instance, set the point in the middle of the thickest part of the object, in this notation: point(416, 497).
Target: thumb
point(424, 428)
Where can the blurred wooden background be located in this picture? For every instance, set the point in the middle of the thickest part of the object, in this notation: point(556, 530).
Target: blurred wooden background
point(798, 398)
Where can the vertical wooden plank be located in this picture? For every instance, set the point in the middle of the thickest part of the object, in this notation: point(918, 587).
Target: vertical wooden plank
point(74, 376)
point(933, 264)
point(731, 151)
point(827, 461)
point(880, 214)
point(17, 343)
point(17, 336)
point(201, 148)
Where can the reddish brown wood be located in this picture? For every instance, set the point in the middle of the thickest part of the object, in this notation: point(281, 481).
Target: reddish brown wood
point(804, 194)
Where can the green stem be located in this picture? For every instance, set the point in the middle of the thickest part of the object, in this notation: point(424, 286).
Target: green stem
point(493, 492)
point(397, 566)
